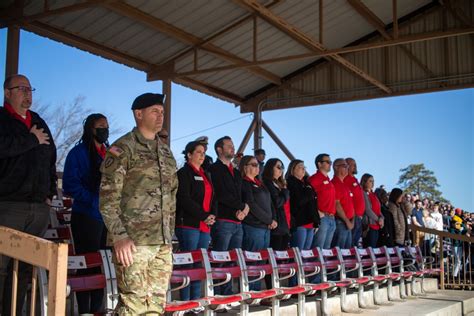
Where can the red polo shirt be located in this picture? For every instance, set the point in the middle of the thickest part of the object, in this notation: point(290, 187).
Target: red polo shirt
point(344, 195)
point(357, 194)
point(325, 191)
point(376, 207)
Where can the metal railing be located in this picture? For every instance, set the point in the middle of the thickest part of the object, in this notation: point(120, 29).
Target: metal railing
point(40, 253)
point(452, 253)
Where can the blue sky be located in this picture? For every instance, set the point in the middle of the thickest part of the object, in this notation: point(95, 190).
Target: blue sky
point(383, 135)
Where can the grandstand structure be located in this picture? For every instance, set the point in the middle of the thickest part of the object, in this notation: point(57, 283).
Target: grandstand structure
point(260, 56)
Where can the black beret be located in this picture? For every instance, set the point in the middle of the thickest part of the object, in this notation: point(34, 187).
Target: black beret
point(147, 99)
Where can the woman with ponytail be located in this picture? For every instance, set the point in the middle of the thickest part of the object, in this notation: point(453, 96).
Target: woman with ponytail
point(81, 181)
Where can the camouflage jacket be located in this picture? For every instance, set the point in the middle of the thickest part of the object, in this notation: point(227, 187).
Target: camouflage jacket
point(138, 190)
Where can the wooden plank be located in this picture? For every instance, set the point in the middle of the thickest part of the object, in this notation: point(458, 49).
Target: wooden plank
point(57, 281)
point(29, 248)
point(188, 38)
point(306, 40)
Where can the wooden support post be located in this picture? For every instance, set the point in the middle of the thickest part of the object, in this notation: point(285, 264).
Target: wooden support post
point(167, 107)
point(321, 22)
point(257, 135)
point(441, 263)
point(255, 37)
point(395, 19)
point(13, 50)
point(277, 141)
point(246, 139)
point(57, 282)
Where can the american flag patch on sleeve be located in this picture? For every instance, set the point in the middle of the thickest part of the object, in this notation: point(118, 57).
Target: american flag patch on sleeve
point(116, 151)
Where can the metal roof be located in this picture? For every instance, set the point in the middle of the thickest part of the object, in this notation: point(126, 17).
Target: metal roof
point(250, 52)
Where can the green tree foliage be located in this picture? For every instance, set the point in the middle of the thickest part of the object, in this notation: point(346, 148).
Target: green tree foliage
point(417, 179)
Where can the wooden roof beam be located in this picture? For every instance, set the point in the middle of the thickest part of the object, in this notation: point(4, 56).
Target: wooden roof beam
point(307, 41)
point(378, 24)
point(210, 89)
point(170, 30)
point(62, 36)
point(10, 15)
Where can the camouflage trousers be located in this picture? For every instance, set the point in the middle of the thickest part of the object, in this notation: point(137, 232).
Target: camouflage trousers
point(143, 285)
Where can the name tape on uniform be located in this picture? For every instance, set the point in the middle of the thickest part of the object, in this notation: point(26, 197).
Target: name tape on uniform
point(182, 258)
point(253, 255)
point(198, 178)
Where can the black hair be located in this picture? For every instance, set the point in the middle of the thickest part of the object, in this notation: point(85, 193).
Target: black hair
point(319, 158)
point(220, 143)
point(268, 171)
point(190, 148)
point(88, 140)
point(395, 195)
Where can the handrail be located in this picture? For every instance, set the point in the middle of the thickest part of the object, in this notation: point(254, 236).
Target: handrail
point(40, 253)
point(442, 233)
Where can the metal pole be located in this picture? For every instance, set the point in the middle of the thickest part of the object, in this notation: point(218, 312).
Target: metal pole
point(167, 107)
point(278, 141)
point(13, 49)
point(257, 135)
point(246, 139)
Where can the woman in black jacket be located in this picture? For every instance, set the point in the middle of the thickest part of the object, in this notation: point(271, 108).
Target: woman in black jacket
point(257, 224)
point(195, 208)
point(276, 184)
point(303, 206)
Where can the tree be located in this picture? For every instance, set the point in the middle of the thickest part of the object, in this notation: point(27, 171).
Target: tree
point(66, 124)
point(417, 179)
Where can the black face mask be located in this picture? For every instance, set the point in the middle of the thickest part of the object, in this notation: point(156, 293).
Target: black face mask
point(101, 135)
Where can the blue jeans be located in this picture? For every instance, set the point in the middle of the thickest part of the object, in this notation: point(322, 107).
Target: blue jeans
point(356, 231)
point(226, 236)
point(192, 239)
point(372, 238)
point(342, 236)
point(255, 239)
point(325, 233)
point(302, 238)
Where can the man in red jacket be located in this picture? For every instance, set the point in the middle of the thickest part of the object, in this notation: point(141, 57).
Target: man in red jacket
point(357, 198)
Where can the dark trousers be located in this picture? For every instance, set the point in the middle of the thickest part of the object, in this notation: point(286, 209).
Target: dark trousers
point(89, 235)
point(277, 242)
point(30, 218)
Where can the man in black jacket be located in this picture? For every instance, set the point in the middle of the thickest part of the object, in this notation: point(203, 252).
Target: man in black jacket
point(27, 176)
point(227, 232)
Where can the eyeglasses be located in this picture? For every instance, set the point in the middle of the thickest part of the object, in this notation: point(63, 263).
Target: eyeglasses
point(23, 89)
point(341, 165)
point(326, 161)
point(255, 165)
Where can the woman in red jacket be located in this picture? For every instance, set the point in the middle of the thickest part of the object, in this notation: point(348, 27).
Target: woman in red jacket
point(373, 211)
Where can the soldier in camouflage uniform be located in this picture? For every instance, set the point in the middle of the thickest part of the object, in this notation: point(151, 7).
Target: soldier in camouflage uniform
point(138, 204)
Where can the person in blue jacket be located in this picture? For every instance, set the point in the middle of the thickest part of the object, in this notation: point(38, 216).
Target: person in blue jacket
point(81, 181)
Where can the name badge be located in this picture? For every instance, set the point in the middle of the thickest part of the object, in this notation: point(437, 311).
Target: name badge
point(182, 258)
point(351, 194)
point(253, 255)
point(255, 186)
point(326, 182)
point(220, 255)
point(354, 184)
point(281, 254)
point(198, 178)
